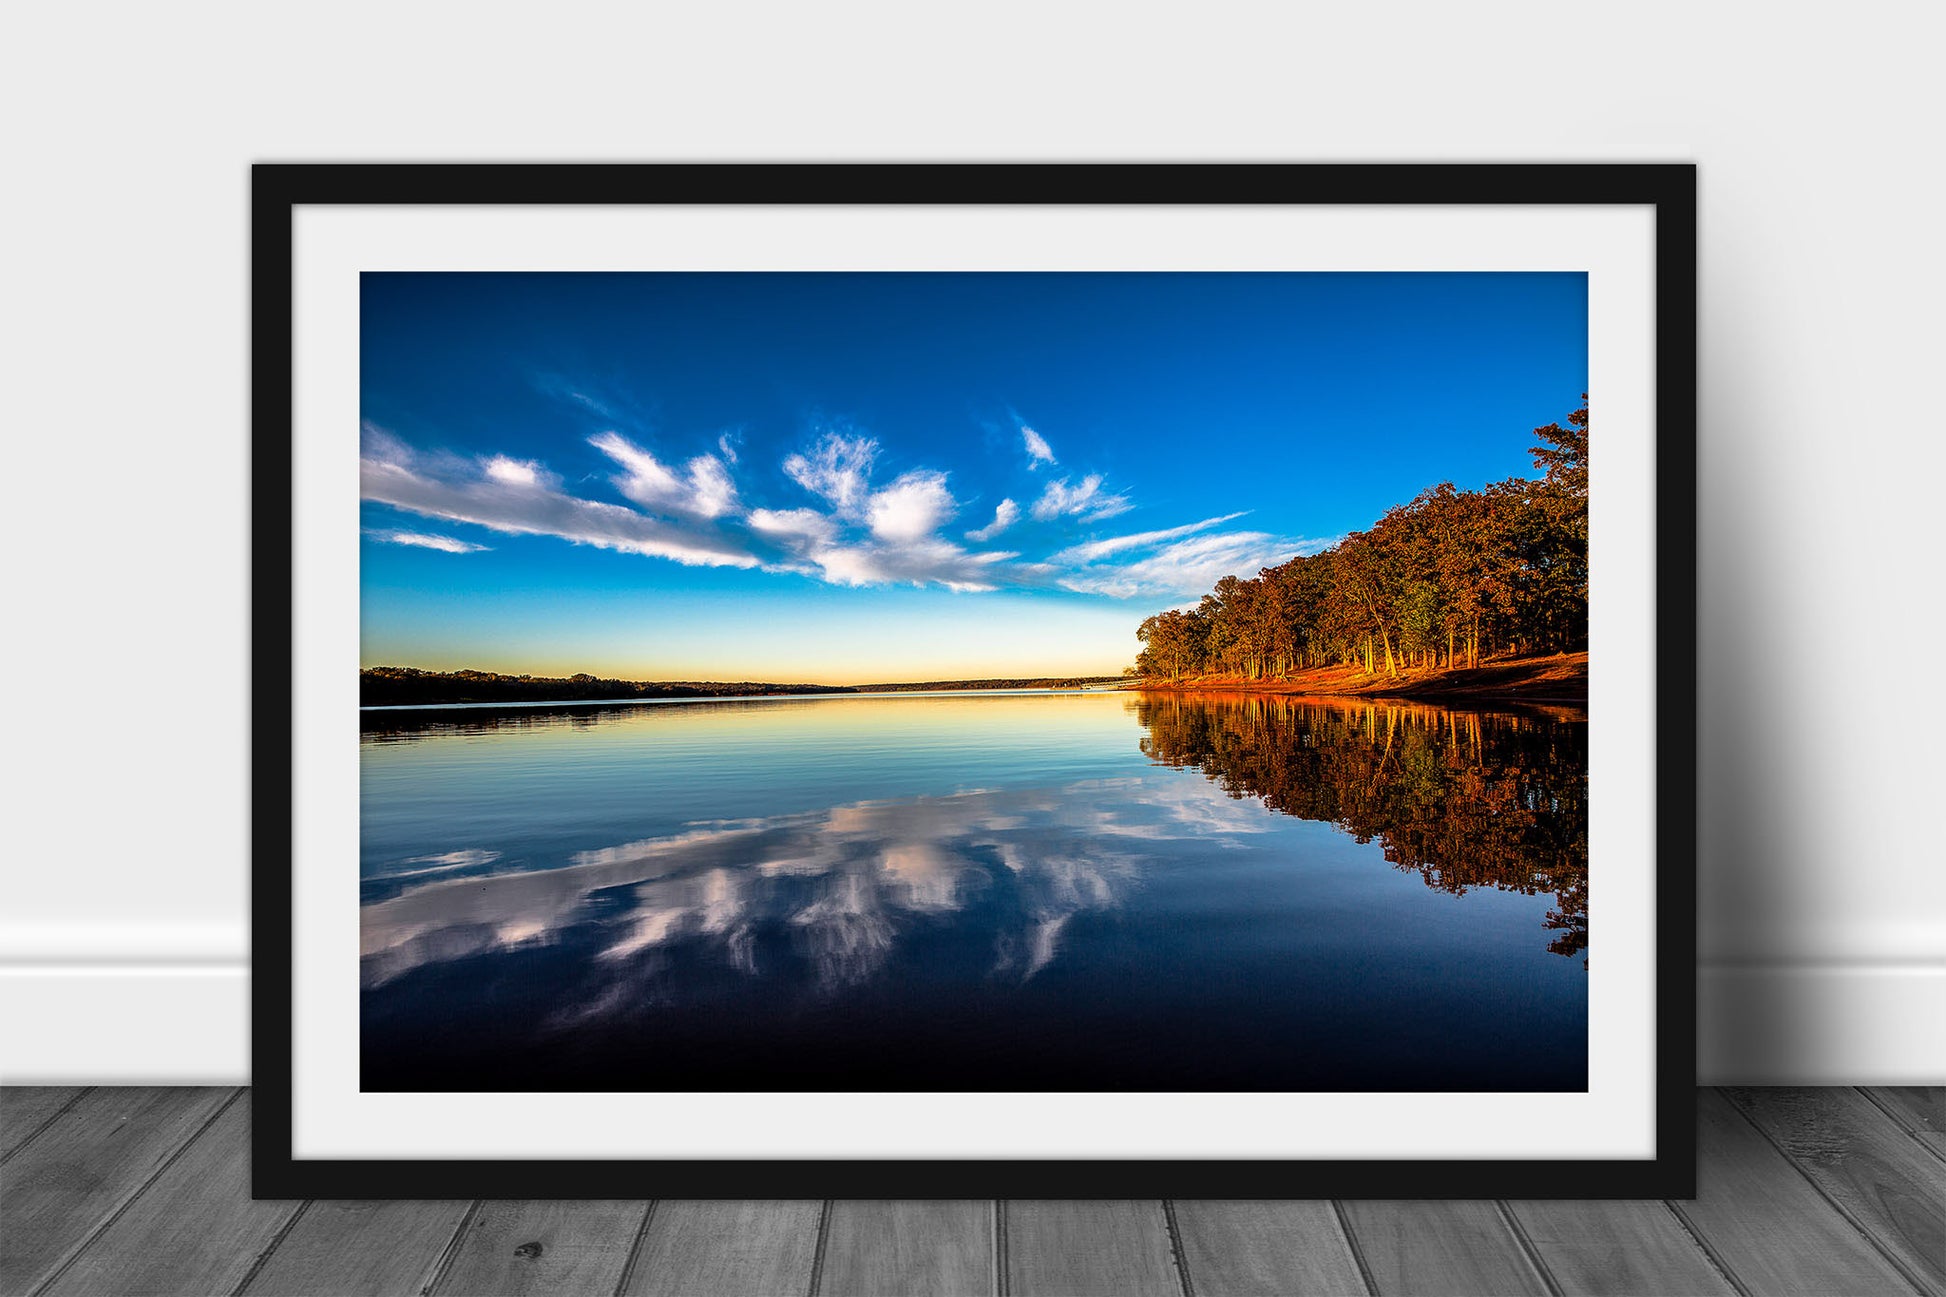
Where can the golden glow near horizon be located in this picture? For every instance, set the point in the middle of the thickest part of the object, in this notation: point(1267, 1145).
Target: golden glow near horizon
point(988, 637)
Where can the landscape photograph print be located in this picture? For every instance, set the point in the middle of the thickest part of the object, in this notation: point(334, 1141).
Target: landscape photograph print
point(976, 681)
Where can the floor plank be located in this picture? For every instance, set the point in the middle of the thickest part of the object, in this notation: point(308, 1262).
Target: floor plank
point(1272, 1249)
point(1085, 1249)
point(193, 1231)
point(1441, 1249)
point(567, 1249)
point(1921, 1109)
point(727, 1249)
point(909, 1249)
point(24, 1109)
point(1890, 1187)
point(360, 1249)
point(93, 1158)
point(1623, 1248)
point(127, 1190)
point(1777, 1234)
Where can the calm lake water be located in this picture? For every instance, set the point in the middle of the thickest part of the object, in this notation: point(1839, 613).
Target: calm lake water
point(1033, 891)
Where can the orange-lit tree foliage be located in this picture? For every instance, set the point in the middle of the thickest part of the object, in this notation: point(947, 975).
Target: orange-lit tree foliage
point(1450, 578)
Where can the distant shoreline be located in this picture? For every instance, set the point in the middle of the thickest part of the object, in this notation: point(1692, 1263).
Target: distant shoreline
point(412, 687)
point(1560, 678)
point(1553, 679)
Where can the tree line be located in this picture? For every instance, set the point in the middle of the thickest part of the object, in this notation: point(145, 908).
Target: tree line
point(1444, 581)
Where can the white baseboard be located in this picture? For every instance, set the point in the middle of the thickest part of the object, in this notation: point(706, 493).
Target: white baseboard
point(1821, 1024)
point(183, 1024)
point(125, 1024)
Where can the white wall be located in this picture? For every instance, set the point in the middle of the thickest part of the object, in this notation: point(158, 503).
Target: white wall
point(122, 932)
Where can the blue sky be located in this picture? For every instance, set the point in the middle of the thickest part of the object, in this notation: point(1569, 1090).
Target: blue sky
point(848, 478)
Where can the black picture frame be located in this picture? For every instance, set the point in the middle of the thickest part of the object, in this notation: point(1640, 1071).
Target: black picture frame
point(277, 190)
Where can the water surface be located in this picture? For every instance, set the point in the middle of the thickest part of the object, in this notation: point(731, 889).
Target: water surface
point(959, 892)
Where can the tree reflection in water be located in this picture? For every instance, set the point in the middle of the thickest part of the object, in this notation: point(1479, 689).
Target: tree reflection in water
point(1465, 799)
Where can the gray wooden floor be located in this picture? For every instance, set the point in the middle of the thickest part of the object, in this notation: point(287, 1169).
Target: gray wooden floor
point(1822, 1192)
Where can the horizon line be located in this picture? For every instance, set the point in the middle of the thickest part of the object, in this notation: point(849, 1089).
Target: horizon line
point(1115, 674)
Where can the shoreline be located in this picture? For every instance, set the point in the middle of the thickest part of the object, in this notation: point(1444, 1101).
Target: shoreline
point(1559, 680)
point(1553, 679)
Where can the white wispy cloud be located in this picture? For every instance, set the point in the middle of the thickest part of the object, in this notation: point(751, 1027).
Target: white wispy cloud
point(912, 507)
point(712, 493)
point(1190, 566)
point(1085, 501)
point(519, 472)
point(426, 540)
point(899, 547)
point(562, 389)
point(458, 490)
point(726, 445)
point(1038, 451)
point(853, 536)
point(375, 442)
point(1095, 550)
point(648, 478)
point(819, 543)
point(705, 492)
point(900, 544)
point(797, 524)
point(839, 468)
point(1005, 515)
point(923, 562)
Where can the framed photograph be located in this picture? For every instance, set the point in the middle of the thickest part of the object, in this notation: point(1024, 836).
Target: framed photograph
point(958, 681)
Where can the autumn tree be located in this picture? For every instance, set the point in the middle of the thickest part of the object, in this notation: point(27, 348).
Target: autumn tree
point(1447, 579)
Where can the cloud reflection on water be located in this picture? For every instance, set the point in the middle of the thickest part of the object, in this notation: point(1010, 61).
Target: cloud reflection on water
point(847, 884)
